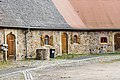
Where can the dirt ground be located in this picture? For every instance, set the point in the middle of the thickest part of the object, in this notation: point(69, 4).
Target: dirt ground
point(96, 71)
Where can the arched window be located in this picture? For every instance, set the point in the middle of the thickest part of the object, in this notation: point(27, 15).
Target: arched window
point(46, 39)
point(103, 39)
point(75, 39)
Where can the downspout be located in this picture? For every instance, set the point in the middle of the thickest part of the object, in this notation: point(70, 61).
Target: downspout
point(26, 31)
point(4, 36)
point(26, 44)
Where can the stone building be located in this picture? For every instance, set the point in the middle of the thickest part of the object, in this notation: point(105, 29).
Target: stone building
point(68, 26)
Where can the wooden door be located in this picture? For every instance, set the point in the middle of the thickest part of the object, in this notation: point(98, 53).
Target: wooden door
point(11, 45)
point(117, 42)
point(64, 43)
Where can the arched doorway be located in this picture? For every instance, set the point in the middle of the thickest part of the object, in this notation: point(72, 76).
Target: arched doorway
point(64, 43)
point(117, 42)
point(11, 46)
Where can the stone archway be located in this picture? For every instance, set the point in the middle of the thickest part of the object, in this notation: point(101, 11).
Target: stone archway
point(11, 46)
point(117, 42)
point(64, 43)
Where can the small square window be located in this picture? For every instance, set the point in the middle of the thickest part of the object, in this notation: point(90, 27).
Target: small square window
point(103, 39)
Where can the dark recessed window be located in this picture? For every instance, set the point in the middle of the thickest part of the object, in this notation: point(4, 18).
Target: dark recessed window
point(103, 39)
point(75, 39)
point(46, 40)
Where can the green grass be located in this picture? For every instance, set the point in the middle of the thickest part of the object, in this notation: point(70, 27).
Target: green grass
point(71, 56)
point(4, 64)
point(116, 53)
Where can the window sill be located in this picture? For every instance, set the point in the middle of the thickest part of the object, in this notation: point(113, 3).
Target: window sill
point(75, 43)
point(103, 43)
point(46, 45)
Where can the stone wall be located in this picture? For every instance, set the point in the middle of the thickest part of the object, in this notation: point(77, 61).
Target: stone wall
point(89, 41)
point(1, 42)
point(34, 41)
point(21, 45)
point(19, 42)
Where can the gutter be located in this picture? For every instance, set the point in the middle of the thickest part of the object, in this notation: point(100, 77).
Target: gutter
point(60, 28)
point(104, 28)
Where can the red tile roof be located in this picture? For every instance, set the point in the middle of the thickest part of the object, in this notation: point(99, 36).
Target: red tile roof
point(69, 14)
point(91, 14)
point(98, 13)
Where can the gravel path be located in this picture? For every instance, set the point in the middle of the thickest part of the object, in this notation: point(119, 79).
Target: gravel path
point(23, 65)
point(85, 57)
point(39, 69)
point(101, 71)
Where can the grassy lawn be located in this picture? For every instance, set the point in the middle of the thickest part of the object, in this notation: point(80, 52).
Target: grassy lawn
point(71, 56)
point(4, 64)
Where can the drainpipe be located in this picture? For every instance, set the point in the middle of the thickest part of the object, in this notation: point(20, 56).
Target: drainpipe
point(26, 31)
point(4, 52)
point(26, 44)
point(4, 36)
